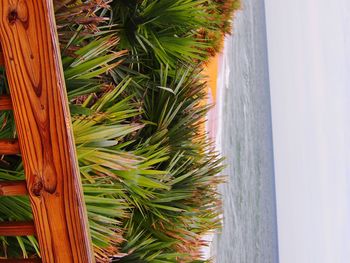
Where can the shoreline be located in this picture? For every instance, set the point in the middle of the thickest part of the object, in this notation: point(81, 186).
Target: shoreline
point(212, 128)
point(211, 71)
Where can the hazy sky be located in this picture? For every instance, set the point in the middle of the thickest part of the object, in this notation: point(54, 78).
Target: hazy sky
point(309, 56)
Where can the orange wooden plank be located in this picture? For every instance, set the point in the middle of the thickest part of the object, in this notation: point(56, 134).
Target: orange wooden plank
point(9, 146)
point(5, 103)
point(17, 229)
point(34, 72)
point(13, 188)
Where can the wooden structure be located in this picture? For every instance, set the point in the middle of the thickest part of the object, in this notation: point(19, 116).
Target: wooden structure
point(31, 56)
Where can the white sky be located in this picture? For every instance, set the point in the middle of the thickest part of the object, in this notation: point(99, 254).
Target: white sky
point(309, 56)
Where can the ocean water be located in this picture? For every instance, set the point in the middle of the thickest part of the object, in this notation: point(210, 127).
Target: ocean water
point(249, 232)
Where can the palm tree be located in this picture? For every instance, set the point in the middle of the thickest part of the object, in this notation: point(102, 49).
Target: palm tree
point(150, 175)
point(161, 31)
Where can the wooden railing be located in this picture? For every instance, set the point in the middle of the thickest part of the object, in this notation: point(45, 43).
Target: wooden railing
point(30, 53)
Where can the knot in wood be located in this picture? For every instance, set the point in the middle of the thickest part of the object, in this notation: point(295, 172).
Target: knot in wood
point(37, 188)
point(12, 16)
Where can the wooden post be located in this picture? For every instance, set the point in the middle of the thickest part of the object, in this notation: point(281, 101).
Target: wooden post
point(32, 60)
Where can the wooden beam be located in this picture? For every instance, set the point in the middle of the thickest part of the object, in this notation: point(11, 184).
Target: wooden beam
point(9, 146)
point(34, 72)
point(24, 260)
point(17, 229)
point(5, 102)
point(13, 188)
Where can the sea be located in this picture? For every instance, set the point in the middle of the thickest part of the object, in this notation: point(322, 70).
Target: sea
point(244, 137)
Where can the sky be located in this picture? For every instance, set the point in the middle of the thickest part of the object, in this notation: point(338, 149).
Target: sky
point(309, 62)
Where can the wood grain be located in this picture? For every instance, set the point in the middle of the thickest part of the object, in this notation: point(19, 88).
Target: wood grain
point(9, 146)
point(17, 229)
point(33, 66)
point(5, 103)
point(13, 188)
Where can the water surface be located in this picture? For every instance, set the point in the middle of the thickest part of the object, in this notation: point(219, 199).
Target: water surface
point(245, 138)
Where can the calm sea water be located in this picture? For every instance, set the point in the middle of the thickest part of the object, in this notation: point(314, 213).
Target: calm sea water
point(245, 138)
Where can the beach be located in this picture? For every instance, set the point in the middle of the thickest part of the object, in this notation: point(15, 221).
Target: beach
point(211, 72)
